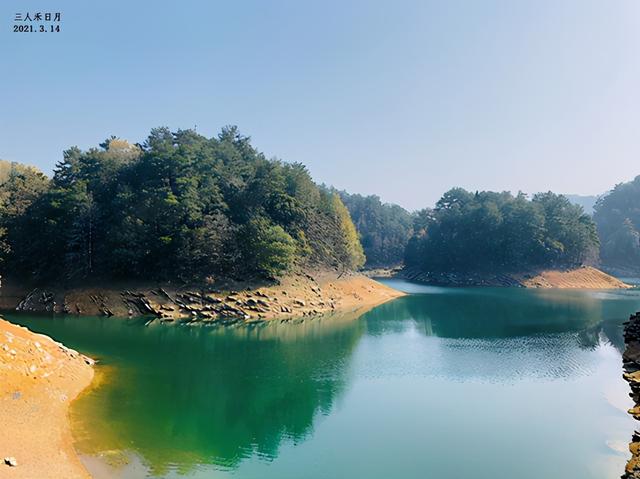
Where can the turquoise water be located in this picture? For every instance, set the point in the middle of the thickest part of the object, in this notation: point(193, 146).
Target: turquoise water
point(443, 383)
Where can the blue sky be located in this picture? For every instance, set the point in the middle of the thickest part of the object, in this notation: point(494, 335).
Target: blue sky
point(403, 99)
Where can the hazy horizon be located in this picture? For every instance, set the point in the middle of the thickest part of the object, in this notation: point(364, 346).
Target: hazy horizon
point(403, 102)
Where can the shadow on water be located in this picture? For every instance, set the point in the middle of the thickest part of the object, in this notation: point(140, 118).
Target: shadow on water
point(186, 396)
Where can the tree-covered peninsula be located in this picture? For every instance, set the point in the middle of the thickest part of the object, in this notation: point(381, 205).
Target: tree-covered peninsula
point(499, 232)
point(178, 206)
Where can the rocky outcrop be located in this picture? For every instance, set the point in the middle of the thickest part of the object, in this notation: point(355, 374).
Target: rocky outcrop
point(631, 365)
point(294, 296)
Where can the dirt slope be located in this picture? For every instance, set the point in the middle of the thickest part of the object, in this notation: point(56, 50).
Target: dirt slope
point(580, 278)
point(38, 380)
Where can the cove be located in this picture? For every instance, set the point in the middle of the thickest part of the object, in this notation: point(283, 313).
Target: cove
point(443, 383)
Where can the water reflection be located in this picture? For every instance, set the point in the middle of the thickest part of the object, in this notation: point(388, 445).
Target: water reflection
point(184, 396)
point(500, 335)
point(508, 313)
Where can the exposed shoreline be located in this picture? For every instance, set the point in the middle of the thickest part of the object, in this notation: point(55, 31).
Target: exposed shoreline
point(296, 295)
point(631, 366)
point(586, 277)
point(39, 379)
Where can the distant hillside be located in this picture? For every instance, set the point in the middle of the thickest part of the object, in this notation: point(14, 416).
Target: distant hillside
point(384, 228)
point(618, 220)
point(586, 201)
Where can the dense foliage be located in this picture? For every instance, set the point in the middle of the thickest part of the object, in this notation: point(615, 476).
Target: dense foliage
point(618, 218)
point(384, 228)
point(179, 206)
point(20, 186)
point(489, 231)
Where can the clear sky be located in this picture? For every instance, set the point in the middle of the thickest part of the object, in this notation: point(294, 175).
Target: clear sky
point(403, 99)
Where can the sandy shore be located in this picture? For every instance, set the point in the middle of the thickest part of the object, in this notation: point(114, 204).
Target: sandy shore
point(586, 277)
point(38, 380)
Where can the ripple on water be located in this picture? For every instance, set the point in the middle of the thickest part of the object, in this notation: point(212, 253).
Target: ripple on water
point(538, 357)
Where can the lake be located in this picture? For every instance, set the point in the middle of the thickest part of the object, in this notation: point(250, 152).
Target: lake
point(478, 383)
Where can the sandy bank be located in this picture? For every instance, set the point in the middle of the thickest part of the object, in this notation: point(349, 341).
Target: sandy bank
point(585, 277)
point(38, 380)
point(297, 295)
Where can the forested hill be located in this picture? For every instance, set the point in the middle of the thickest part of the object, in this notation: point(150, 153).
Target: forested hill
point(492, 232)
point(178, 206)
point(384, 228)
point(617, 215)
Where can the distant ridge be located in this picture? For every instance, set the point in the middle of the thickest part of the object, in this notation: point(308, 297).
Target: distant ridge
point(586, 201)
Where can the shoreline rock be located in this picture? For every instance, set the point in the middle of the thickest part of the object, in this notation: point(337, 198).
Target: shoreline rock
point(297, 295)
point(631, 368)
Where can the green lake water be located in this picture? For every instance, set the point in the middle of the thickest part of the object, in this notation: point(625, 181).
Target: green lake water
point(444, 383)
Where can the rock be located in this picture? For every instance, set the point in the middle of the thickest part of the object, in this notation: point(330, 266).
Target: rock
point(631, 356)
point(299, 302)
point(11, 461)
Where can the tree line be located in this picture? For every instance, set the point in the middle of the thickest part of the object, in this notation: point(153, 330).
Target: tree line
point(178, 206)
point(489, 231)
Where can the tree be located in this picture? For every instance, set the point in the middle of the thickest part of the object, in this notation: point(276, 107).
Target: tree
point(268, 248)
point(20, 186)
point(349, 250)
